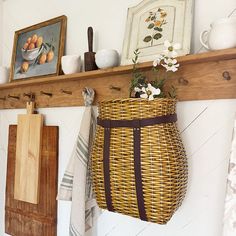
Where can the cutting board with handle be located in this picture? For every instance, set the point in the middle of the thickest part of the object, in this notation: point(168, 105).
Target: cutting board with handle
point(24, 218)
point(28, 148)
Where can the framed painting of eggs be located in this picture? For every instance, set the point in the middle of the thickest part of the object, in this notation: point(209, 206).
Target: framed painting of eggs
point(38, 49)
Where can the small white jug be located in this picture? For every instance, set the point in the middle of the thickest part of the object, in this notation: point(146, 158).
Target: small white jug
point(71, 64)
point(222, 34)
point(4, 75)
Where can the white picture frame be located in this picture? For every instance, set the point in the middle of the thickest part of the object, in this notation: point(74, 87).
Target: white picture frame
point(152, 22)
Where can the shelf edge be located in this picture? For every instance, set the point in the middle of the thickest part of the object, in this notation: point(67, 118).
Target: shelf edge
point(218, 55)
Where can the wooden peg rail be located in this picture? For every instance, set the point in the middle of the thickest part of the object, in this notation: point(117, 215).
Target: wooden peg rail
point(210, 75)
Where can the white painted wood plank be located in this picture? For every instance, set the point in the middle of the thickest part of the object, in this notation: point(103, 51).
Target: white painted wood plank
point(188, 111)
point(217, 114)
point(127, 226)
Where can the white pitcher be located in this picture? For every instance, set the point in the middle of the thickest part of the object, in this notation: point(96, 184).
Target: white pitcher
point(222, 34)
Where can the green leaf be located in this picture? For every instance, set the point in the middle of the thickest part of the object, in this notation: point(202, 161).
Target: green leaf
point(173, 92)
point(154, 69)
point(147, 39)
point(158, 29)
point(157, 36)
point(151, 26)
point(141, 80)
point(158, 83)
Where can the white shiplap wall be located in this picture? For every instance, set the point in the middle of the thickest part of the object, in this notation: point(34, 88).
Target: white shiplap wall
point(206, 126)
point(1, 31)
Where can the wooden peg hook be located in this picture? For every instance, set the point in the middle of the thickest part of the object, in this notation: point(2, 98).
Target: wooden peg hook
point(115, 88)
point(14, 97)
point(30, 95)
point(66, 92)
point(45, 93)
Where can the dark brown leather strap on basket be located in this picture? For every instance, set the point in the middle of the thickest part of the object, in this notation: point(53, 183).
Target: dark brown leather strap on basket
point(136, 125)
point(106, 164)
point(138, 174)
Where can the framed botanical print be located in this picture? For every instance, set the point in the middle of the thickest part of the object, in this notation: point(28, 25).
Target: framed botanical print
point(38, 49)
point(152, 22)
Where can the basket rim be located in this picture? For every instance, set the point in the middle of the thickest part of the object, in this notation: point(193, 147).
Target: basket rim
point(137, 100)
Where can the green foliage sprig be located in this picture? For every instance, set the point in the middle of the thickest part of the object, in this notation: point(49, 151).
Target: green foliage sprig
point(140, 84)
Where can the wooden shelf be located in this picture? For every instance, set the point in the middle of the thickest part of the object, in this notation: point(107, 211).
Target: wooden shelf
point(200, 77)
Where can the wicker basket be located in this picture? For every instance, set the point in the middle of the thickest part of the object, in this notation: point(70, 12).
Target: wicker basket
point(139, 163)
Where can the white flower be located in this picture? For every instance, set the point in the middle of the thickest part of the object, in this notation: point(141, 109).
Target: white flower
point(158, 60)
point(170, 49)
point(137, 89)
point(150, 92)
point(170, 64)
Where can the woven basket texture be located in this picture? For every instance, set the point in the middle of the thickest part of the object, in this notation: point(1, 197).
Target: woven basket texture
point(163, 160)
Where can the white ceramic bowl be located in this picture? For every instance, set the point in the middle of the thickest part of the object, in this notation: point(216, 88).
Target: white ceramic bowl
point(71, 64)
point(30, 55)
point(107, 58)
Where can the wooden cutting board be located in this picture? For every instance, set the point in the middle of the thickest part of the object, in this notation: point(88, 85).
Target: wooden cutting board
point(28, 148)
point(26, 219)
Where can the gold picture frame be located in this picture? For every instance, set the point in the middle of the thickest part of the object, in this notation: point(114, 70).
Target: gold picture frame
point(37, 50)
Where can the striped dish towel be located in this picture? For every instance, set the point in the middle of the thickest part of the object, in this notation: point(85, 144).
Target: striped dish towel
point(76, 185)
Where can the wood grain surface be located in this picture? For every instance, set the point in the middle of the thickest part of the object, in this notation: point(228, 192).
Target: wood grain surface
point(28, 156)
point(200, 77)
point(26, 219)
